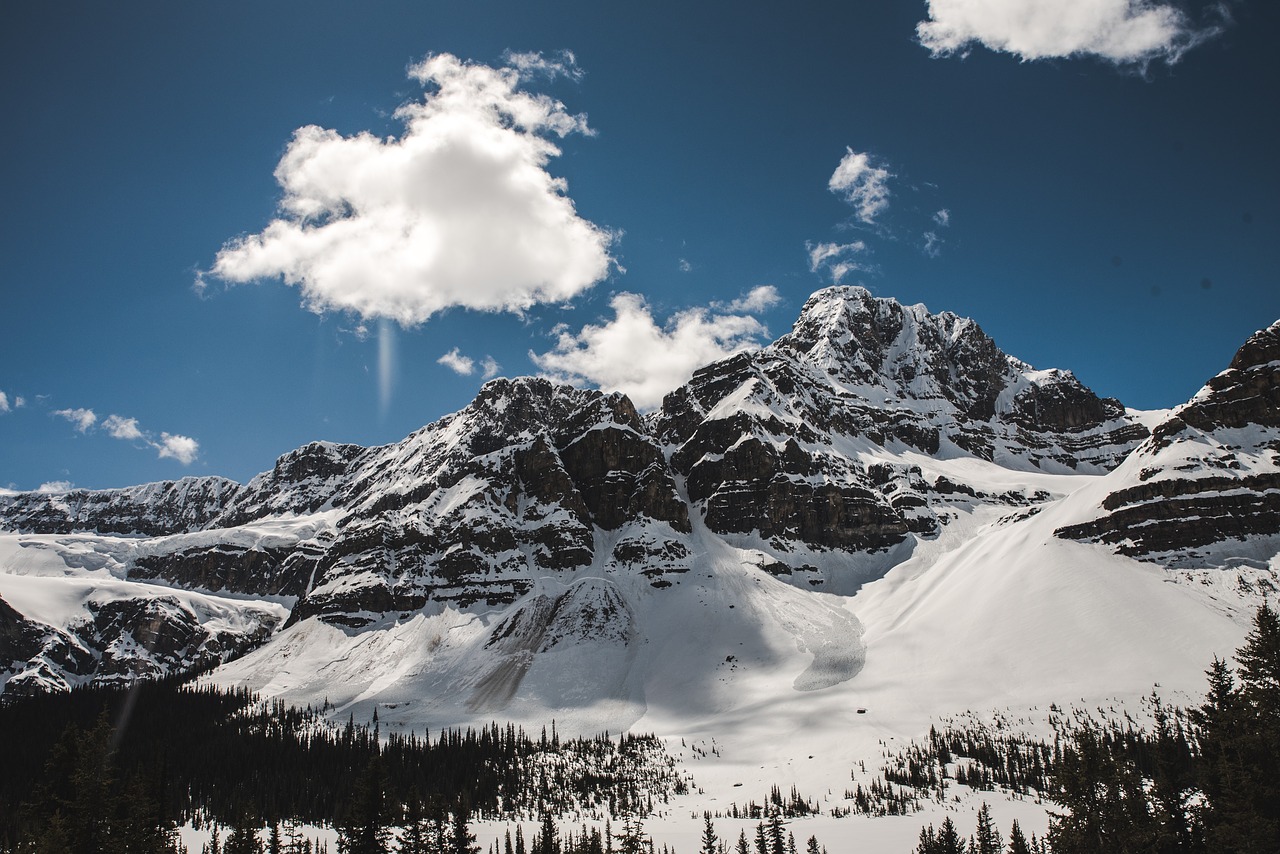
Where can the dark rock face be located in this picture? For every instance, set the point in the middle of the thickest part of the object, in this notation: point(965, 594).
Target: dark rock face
point(228, 567)
point(1246, 393)
point(20, 641)
point(126, 640)
point(302, 481)
point(1181, 515)
point(1210, 473)
point(472, 508)
point(153, 509)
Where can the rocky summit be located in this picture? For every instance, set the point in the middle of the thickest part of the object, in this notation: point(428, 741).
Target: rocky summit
point(544, 520)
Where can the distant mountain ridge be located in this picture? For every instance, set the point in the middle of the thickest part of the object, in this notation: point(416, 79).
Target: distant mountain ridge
point(544, 523)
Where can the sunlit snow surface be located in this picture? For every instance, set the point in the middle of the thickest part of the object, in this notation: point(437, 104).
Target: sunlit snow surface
point(994, 615)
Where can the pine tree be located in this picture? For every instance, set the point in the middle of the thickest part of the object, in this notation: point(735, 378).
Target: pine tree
point(632, 839)
point(710, 842)
point(1017, 841)
point(777, 838)
point(462, 840)
point(743, 847)
point(547, 840)
point(416, 838)
point(1239, 734)
point(812, 846)
point(948, 840)
point(762, 839)
point(987, 838)
point(364, 827)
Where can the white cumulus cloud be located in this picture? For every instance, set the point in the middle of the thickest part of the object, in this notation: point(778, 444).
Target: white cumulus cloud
point(4, 402)
point(862, 183)
point(82, 418)
point(459, 210)
point(458, 363)
point(121, 428)
point(55, 486)
point(489, 368)
point(1120, 31)
point(636, 356)
point(184, 449)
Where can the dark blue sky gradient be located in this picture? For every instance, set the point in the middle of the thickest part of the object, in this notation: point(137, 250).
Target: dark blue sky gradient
point(1122, 226)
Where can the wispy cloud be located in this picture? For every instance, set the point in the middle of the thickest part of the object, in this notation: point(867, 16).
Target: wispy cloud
point(942, 218)
point(55, 486)
point(757, 299)
point(489, 368)
point(838, 259)
point(862, 183)
point(459, 210)
point(1119, 31)
point(5, 406)
point(531, 64)
point(633, 354)
point(82, 418)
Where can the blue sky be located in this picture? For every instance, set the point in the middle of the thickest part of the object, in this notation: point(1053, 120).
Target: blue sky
point(589, 181)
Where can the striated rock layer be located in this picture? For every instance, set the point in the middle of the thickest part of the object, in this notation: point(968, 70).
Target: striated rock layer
point(552, 507)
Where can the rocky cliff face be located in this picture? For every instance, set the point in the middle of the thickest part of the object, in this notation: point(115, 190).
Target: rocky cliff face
point(153, 509)
point(808, 460)
point(768, 442)
point(1205, 488)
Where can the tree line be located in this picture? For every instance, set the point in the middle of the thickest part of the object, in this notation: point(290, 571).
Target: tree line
point(1205, 780)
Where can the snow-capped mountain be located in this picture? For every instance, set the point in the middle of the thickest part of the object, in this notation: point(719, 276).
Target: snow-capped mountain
point(788, 531)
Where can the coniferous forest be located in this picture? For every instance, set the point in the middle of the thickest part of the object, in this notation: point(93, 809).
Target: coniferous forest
point(110, 771)
point(97, 769)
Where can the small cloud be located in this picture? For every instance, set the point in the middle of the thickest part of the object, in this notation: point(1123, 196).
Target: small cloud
point(4, 402)
point(184, 449)
point(757, 299)
point(862, 184)
point(458, 363)
point(54, 487)
point(838, 259)
point(459, 210)
point(121, 428)
point(532, 64)
point(633, 354)
point(489, 368)
point(942, 218)
point(932, 244)
point(685, 266)
point(1119, 31)
point(82, 418)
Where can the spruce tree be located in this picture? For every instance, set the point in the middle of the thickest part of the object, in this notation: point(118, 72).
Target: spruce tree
point(710, 842)
point(948, 840)
point(987, 838)
point(364, 827)
point(1239, 734)
point(1017, 841)
point(462, 840)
